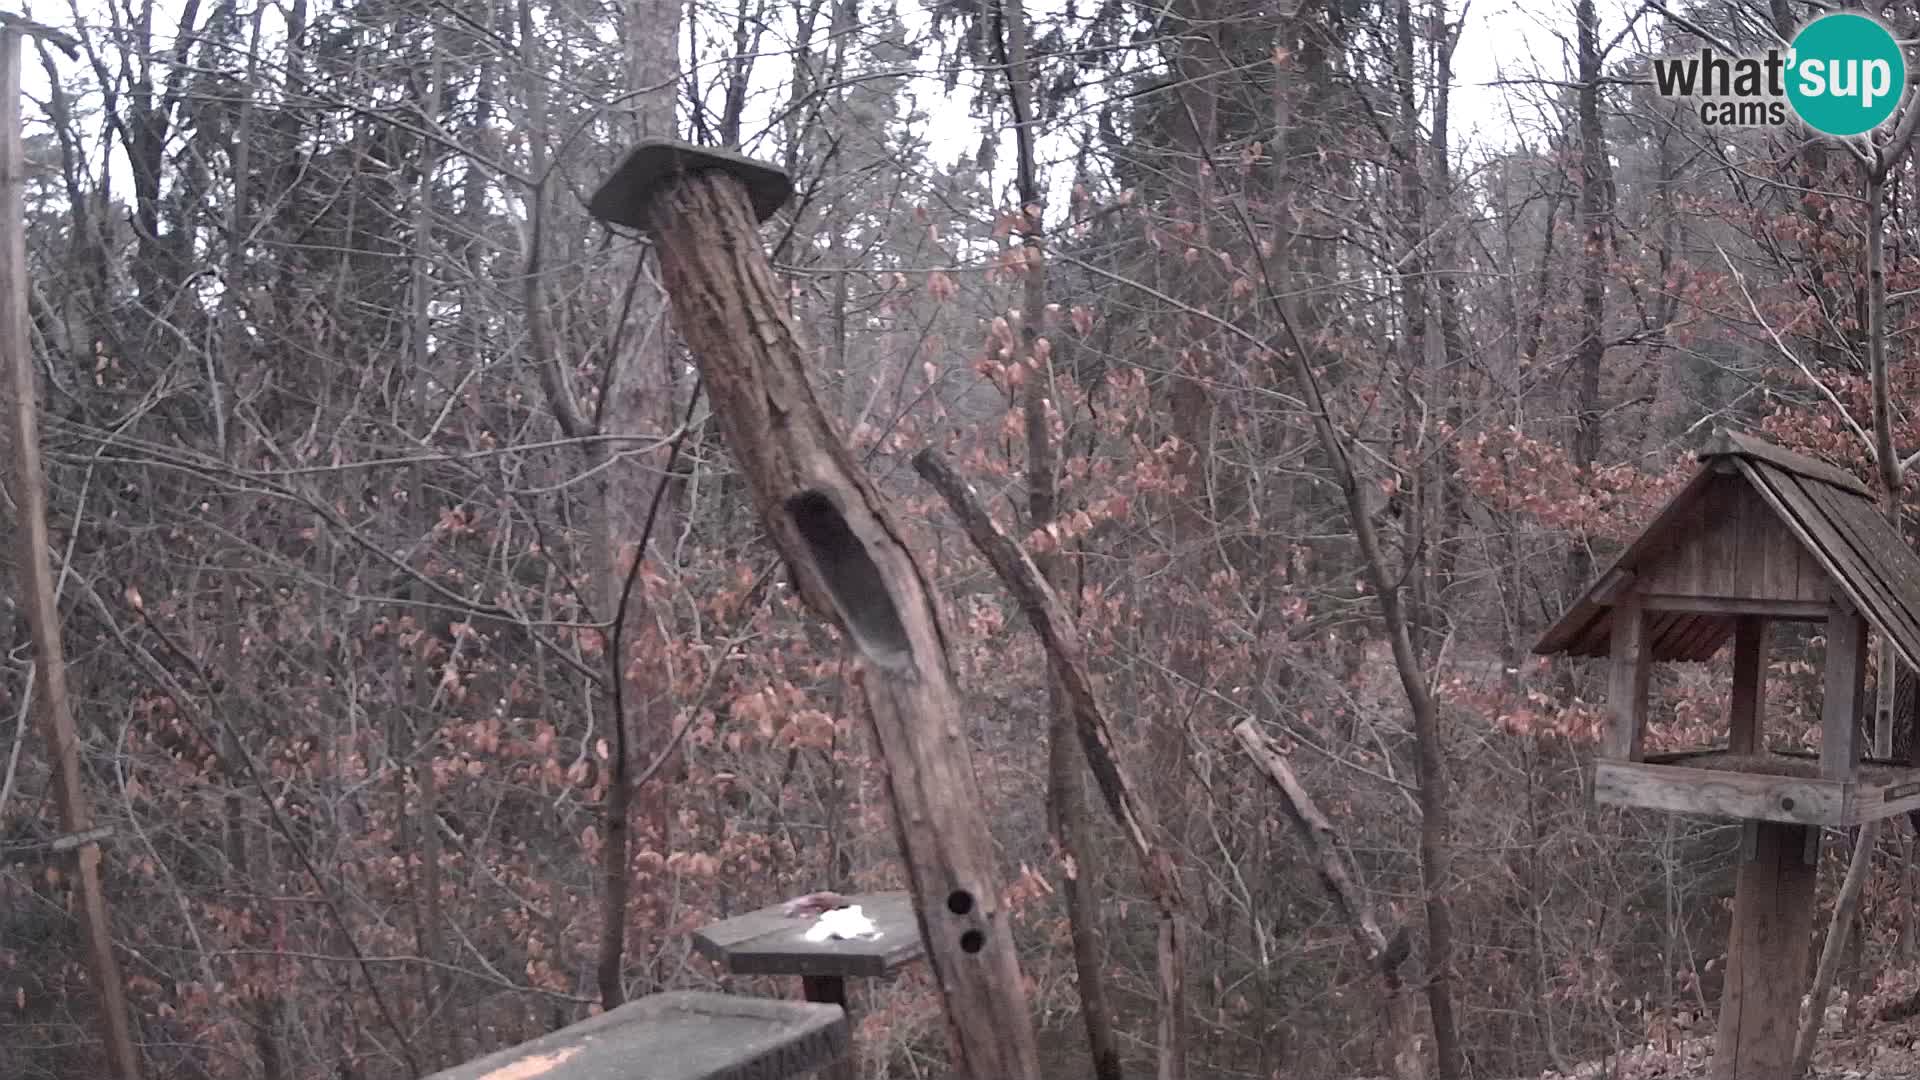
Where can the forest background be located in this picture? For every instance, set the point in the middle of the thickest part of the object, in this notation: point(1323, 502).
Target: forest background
point(358, 431)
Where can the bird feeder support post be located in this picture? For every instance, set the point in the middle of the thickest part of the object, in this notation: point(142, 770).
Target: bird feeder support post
point(1746, 728)
point(1630, 662)
point(831, 990)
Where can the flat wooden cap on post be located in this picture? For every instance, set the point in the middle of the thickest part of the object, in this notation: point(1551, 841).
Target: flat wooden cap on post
point(651, 167)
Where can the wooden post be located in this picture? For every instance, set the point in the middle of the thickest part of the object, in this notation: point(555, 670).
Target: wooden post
point(1767, 955)
point(1846, 676)
point(842, 543)
point(832, 990)
point(1627, 672)
point(1747, 729)
point(35, 558)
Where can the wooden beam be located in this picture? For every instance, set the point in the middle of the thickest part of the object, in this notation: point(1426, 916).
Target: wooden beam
point(1722, 793)
point(1782, 610)
point(1611, 585)
point(1629, 667)
point(34, 558)
point(842, 541)
point(1747, 720)
point(1846, 675)
point(1767, 956)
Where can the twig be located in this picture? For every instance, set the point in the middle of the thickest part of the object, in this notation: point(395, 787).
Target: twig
point(1832, 399)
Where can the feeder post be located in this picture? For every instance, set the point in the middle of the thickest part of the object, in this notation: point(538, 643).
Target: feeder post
point(1630, 665)
point(842, 542)
point(1767, 955)
point(1846, 677)
point(1746, 732)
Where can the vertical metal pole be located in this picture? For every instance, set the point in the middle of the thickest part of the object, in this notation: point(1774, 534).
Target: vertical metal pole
point(34, 556)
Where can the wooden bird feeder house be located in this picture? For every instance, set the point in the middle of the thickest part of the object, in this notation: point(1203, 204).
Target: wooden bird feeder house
point(1759, 535)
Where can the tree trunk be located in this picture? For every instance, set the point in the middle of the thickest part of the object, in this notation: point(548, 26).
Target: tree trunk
point(842, 542)
point(1067, 820)
point(1590, 352)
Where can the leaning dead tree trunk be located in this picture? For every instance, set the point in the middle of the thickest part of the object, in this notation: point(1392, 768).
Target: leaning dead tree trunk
point(1403, 1021)
point(1061, 638)
point(842, 544)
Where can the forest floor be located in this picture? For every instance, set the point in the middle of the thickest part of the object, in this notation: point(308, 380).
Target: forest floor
point(1871, 1048)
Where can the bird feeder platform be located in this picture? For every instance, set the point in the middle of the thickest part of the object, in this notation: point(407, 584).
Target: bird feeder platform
point(1777, 785)
point(771, 942)
point(1759, 535)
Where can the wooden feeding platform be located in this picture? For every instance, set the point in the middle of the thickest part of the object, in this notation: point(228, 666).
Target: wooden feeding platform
point(1779, 785)
point(1759, 535)
point(771, 942)
point(681, 1035)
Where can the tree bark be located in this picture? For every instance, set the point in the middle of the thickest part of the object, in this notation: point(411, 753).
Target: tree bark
point(1596, 180)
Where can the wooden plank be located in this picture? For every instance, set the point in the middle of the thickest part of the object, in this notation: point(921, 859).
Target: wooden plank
point(1879, 551)
point(1702, 639)
point(1845, 572)
point(1679, 558)
point(767, 942)
point(1584, 610)
point(1732, 545)
point(682, 1035)
point(1884, 799)
point(1784, 610)
point(1746, 732)
point(1730, 567)
point(1733, 442)
point(1672, 633)
point(1629, 666)
point(1886, 553)
point(1767, 955)
point(1893, 602)
point(1611, 585)
point(1845, 672)
point(1677, 789)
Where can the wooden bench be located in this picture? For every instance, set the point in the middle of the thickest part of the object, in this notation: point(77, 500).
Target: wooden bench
point(680, 1035)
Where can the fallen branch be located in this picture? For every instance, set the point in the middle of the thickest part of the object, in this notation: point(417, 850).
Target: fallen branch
point(1386, 955)
point(1061, 639)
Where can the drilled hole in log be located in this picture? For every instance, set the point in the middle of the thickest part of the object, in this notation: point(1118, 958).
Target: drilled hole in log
point(959, 901)
point(972, 941)
point(852, 578)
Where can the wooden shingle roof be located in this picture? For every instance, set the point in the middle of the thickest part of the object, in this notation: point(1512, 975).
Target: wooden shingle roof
point(1829, 513)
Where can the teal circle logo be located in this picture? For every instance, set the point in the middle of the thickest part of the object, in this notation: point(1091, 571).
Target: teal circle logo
point(1846, 74)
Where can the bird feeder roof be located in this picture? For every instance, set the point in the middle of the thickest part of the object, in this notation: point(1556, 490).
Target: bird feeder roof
point(1758, 530)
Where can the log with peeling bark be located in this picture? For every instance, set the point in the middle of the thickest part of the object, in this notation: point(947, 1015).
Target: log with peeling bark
point(1061, 638)
point(842, 543)
point(1330, 861)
